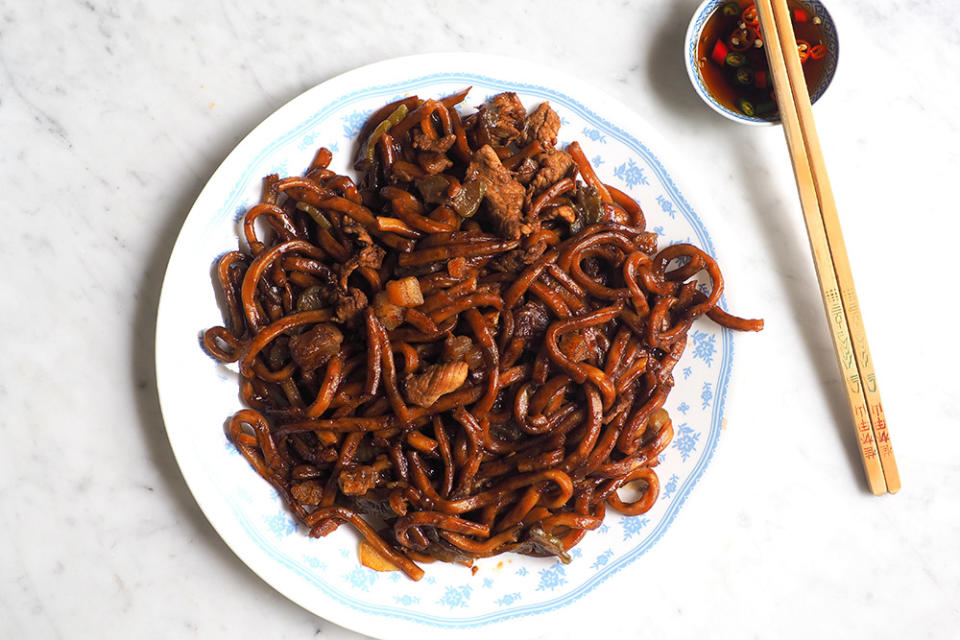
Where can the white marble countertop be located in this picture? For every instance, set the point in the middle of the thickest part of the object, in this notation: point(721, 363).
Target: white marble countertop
point(112, 117)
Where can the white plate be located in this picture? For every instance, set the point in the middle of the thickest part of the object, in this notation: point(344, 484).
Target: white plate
point(197, 394)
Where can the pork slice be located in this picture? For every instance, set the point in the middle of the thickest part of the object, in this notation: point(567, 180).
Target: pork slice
point(349, 305)
point(553, 165)
point(504, 118)
point(367, 252)
point(437, 380)
point(423, 142)
point(503, 198)
point(516, 260)
point(532, 320)
point(309, 493)
point(542, 125)
point(357, 481)
point(316, 346)
point(509, 108)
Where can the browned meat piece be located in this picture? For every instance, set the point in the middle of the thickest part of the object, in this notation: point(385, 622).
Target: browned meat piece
point(503, 198)
point(564, 212)
point(532, 319)
point(525, 172)
point(433, 162)
point(461, 348)
point(277, 354)
point(543, 125)
point(309, 493)
point(435, 381)
point(373, 503)
point(325, 528)
point(503, 118)
point(357, 481)
point(647, 242)
point(369, 253)
point(474, 358)
point(509, 108)
point(349, 305)
point(574, 346)
point(499, 122)
point(455, 347)
point(534, 251)
point(390, 315)
point(554, 165)
point(516, 260)
point(314, 347)
point(596, 269)
point(424, 142)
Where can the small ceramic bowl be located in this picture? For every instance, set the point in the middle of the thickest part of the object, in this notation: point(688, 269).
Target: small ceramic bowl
point(700, 17)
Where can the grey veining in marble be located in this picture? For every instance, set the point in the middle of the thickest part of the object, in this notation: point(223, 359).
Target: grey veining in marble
point(114, 114)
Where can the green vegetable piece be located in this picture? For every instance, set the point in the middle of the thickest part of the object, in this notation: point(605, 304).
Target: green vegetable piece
point(730, 9)
point(589, 208)
point(745, 76)
point(746, 107)
point(735, 59)
point(467, 201)
point(314, 213)
point(434, 188)
point(394, 118)
point(592, 204)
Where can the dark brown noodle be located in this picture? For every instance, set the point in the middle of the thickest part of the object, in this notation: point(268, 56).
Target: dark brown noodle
point(459, 356)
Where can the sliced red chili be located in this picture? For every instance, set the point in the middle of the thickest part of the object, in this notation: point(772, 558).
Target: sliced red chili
point(719, 53)
point(760, 78)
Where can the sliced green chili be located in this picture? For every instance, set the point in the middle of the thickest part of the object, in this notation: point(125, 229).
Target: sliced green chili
point(467, 201)
point(730, 9)
point(735, 59)
point(589, 208)
point(314, 213)
point(399, 114)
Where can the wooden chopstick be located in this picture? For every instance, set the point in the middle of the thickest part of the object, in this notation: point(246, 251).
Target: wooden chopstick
point(838, 250)
point(826, 243)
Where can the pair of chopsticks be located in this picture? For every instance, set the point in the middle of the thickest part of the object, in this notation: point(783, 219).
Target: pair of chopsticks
point(829, 251)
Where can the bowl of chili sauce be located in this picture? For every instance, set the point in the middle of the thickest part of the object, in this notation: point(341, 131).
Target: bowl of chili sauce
point(727, 63)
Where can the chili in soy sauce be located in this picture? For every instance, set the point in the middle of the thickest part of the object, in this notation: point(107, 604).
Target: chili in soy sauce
point(733, 62)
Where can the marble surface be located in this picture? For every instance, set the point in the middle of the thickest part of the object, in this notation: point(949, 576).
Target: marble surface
point(113, 118)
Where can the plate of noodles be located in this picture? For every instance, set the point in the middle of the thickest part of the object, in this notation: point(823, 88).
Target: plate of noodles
point(442, 345)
